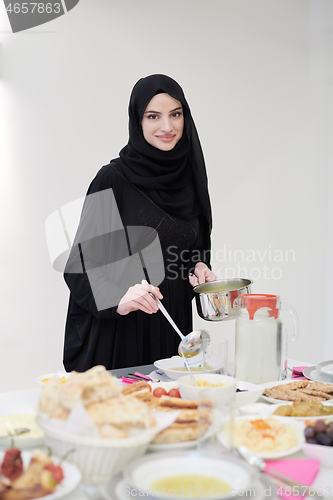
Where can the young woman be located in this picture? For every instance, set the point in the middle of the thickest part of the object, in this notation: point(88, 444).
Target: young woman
point(159, 183)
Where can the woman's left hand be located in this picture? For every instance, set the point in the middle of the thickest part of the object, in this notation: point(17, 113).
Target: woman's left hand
point(202, 274)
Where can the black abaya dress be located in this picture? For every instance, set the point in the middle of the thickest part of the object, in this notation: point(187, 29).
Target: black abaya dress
point(106, 338)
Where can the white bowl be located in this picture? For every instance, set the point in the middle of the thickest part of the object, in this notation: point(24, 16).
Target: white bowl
point(251, 395)
point(319, 452)
point(223, 393)
point(167, 366)
point(59, 374)
point(97, 458)
point(25, 440)
point(143, 472)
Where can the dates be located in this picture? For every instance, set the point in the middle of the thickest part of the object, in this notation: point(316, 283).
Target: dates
point(319, 433)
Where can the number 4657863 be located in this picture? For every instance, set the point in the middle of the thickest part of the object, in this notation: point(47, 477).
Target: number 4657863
point(30, 7)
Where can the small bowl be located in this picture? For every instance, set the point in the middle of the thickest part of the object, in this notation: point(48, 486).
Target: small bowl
point(142, 473)
point(26, 440)
point(251, 394)
point(319, 452)
point(223, 393)
point(47, 376)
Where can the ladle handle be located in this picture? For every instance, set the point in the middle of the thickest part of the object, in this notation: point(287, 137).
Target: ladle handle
point(165, 312)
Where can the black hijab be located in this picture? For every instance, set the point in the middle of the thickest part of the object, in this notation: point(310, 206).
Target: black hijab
point(175, 180)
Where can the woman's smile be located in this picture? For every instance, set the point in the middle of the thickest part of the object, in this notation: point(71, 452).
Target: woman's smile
point(166, 138)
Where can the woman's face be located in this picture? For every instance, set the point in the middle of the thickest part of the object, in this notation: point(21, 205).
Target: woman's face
point(163, 122)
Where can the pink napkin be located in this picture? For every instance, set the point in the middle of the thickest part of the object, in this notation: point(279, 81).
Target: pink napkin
point(302, 470)
point(298, 373)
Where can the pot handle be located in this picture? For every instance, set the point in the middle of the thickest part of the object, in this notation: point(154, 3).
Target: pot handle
point(288, 307)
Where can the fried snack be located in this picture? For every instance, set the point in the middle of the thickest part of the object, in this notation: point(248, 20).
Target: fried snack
point(148, 398)
point(136, 388)
point(319, 386)
point(50, 396)
point(166, 403)
point(123, 413)
point(177, 433)
point(94, 385)
point(290, 395)
point(311, 392)
point(304, 409)
point(299, 384)
point(191, 422)
point(301, 390)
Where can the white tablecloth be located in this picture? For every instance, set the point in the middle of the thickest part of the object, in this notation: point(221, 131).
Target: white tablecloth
point(26, 400)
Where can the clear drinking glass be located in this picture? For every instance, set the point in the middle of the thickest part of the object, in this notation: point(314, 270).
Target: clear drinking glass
point(215, 356)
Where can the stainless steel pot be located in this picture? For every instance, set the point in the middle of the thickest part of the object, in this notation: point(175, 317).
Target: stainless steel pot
point(215, 300)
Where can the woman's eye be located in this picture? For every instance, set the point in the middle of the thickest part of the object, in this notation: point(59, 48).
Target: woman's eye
point(152, 117)
point(175, 115)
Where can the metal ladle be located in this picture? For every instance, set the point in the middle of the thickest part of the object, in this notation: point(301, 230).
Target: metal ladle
point(192, 343)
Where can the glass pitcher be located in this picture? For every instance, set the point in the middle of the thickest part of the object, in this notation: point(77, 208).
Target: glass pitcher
point(261, 343)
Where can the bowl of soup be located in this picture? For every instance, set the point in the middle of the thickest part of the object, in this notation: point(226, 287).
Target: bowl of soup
point(175, 367)
point(188, 474)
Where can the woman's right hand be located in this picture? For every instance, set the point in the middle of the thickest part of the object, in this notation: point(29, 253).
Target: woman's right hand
point(138, 297)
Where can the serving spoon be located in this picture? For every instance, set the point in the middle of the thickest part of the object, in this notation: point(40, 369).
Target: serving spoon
point(16, 432)
point(192, 343)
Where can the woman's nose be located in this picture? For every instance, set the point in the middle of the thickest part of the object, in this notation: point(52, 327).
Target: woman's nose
point(166, 125)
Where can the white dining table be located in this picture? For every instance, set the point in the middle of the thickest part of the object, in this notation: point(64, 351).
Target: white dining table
point(27, 400)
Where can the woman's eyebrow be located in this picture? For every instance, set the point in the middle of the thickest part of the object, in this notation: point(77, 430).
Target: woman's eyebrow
point(155, 112)
point(158, 112)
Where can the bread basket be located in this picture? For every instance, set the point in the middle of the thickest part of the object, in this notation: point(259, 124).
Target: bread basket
point(98, 459)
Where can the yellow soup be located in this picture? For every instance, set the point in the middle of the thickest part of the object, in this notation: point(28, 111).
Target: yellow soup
point(192, 368)
point(195, 485)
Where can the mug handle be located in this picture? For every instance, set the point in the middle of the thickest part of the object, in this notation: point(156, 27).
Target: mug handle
point(288, 307)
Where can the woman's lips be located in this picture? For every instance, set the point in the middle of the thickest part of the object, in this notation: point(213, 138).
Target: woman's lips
point(166, 138)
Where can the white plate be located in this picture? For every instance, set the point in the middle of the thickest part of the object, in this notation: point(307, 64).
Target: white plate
point(180, 446)
point(317, 376)
point(279, 382)
point(264, 409)
point(165, 385)
point(159, 377)
point(299, 426)
point(326, 367)
point(59, 374)
point(72, 476)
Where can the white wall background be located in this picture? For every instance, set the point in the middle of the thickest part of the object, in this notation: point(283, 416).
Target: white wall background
point(258, 77)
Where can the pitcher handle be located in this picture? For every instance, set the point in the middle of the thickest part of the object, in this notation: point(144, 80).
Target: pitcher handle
point(292, 311)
